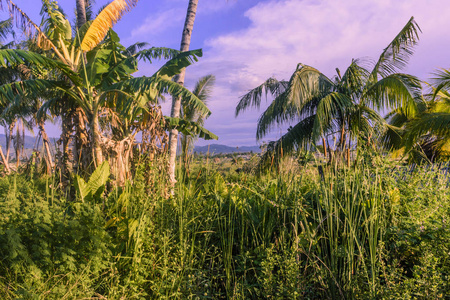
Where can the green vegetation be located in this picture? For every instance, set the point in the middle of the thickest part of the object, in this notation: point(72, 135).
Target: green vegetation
point(366, 218)
point(374, 230)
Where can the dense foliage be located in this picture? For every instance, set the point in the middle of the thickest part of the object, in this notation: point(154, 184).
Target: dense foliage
point(374, 230)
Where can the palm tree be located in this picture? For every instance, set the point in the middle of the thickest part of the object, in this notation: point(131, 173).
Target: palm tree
point(425, 135)
point(344, 106)
point(176, 101)
point(202, 90)
point(81, 12)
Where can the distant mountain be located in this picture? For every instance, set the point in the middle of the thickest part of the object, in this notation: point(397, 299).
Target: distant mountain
point(213, 148)
point(29, 142)
point(216, 149)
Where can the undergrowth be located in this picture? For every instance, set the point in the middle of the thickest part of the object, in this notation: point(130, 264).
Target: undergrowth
point(369, 231)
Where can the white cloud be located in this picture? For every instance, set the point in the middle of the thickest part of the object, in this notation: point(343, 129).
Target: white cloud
point(158, 24)
point(205, 6)
point(322, 33)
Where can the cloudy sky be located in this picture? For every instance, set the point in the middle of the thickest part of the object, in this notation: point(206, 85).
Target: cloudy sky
point(248, 41)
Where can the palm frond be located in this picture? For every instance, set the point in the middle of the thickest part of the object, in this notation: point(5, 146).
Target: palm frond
point(6, 28)
point(156, 53)
point(203, 87)
point(105, 20)
point(175, 65)
point(305, 84)
point(253, 98)
point(354, 79)
point(441, 81)
point(329, 108)
point(278, 112)
point(150, 88)
point(394, 91)
point(437, 124)
point(133, 49)
point(31, 88)
point(392, 137)
point(396, 55)
point(301, 135)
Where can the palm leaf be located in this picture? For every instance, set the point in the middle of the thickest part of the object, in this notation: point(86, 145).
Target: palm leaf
point(30, 88)
point(301, 135)
point(6, 28)
point(441, 81)
point(253, 98)
point(436, 123)
point(153, 53)
point(305, 84)
point(396, 55)
point(109, 16)
point(203, 90)
point(329, 108)
point(392, 137)
point(394, 91)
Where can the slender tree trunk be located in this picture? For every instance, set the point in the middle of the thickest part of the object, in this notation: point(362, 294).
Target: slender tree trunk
point(81, 151)
point(67, 127)
point(81, 13)
point(46, 143)
point(17, 146)
point(8, 139)
point(81, 142)
point(176, 101)
point(8, 170)
point(97, 154)
point(184, 151)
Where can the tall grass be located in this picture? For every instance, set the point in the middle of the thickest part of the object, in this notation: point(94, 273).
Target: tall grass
point(369, 231)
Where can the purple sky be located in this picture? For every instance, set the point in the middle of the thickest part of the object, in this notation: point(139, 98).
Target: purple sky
point(247, 41)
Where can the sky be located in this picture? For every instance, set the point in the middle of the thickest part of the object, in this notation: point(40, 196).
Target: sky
point(247, 41)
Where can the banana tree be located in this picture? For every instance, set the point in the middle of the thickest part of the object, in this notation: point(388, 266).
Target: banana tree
point(90, 70)
point(346, 106)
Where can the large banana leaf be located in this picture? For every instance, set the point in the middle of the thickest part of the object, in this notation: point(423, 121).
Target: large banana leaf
point(190, 128)
point(105, 21)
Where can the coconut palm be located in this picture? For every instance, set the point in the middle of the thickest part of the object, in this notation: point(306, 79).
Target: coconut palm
point(425, 135)
point(345, 106)
point(202, 90)
point(176, 101)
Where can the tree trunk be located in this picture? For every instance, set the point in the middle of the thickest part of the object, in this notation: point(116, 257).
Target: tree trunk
point(8, 140)
point(176, 101)
point(17, 146)
point(97, 154)
point(8, 170)
point(46, 143)
point(67, 126)
point(119, 154)
point(184, 153)
point(81, 13)
point(82, 160)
